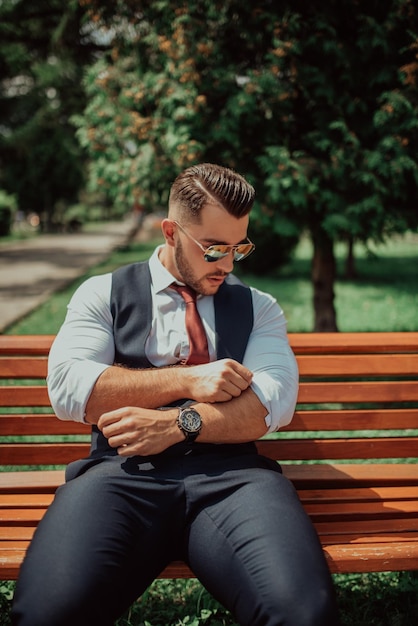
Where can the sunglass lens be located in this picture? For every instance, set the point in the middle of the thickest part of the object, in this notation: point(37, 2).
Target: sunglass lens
point(210, 258)
point(243, 251)
point(214, 253)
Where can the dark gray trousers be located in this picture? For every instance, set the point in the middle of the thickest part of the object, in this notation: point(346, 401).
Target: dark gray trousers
point(230, 514)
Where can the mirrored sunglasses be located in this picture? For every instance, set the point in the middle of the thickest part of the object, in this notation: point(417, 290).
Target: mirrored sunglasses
point(220, 250)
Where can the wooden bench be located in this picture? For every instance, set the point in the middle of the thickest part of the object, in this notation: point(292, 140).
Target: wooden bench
point(351, 449)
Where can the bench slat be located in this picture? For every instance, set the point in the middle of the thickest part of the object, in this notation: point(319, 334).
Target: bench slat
point(21, 515)
point(372, 558)
point(37, 424)
point(25, 500)
point(15, 538)
point(289, 450)
point(318, 512)
point(353, 419)
point(24, 395)
point(358, 365)
point(368, 527)
point(31, 481)
point(362, 510)
point(342, 476)
point(42, 453)
point(345, 419)
point(358, 494)
point(357, 531)
point(322, 392)
point(390, 391)
point(26, 344)
point(23, 367)
point(319, 497)
point(354, 448)
point(309, 365)
point(353, 343)
point(380, 537)
point(302, 343)
point(341, 559)
point(13, 534)
point(328, 476)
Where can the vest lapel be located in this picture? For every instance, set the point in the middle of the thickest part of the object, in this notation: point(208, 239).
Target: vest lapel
point(131, 307)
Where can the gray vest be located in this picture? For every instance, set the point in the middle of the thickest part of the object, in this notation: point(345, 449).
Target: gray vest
point(131, 308)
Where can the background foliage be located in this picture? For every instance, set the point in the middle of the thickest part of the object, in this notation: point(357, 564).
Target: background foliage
point(316, 103)
point(44, 50)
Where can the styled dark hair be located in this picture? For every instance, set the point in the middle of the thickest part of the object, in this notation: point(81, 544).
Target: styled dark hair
point(206, 183)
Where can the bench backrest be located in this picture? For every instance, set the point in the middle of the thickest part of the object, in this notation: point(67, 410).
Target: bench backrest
point(358, 399)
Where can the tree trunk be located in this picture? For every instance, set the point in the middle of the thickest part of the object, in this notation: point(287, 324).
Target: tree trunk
point(323, 278)
point(350, 264)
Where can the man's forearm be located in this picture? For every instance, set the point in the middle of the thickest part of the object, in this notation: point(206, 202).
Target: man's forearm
point(240, 420)
point(136, 430)
point(118, 386)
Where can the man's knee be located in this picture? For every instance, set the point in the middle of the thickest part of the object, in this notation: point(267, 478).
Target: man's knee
point(314, 608)
point(45, 609)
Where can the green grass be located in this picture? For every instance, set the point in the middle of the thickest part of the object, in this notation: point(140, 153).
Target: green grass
point(364, 600)
point(385, 599)
point(384, 297)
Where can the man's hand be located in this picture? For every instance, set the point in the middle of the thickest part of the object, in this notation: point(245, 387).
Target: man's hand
point(218, 381)
point(134, 430)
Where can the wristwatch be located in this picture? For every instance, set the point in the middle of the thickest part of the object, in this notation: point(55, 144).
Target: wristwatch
point(189, 422)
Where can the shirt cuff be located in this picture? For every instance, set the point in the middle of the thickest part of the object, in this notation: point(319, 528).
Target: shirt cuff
point(70, 388)
point(267, 391)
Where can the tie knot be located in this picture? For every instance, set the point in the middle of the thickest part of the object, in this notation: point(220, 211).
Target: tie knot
point(187, 293)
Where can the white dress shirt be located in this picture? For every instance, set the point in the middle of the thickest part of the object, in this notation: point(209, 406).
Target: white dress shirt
point(84, 346)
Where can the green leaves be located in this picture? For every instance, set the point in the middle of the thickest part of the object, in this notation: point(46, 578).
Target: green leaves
point(314, 104)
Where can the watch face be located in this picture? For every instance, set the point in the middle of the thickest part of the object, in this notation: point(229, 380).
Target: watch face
point(190, 420)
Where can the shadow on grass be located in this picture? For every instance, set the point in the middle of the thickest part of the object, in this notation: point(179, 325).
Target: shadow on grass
point(388, 599)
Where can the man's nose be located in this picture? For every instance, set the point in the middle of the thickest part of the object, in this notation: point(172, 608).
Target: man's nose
point(227, 262)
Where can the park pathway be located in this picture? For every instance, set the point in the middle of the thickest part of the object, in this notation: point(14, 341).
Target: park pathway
point(32, 269)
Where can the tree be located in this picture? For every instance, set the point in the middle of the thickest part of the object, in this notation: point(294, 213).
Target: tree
point(316, 103)
point(351, 151)
point(44, 50)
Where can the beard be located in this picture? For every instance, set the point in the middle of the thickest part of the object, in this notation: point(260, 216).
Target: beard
point(188, 276)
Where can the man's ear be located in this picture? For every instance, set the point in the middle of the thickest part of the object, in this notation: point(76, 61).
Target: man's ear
point(168, 228)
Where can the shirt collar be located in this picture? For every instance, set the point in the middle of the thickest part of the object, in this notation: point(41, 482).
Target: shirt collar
point(160, 276)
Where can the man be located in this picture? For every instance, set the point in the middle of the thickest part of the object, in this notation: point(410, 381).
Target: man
point(175, 409)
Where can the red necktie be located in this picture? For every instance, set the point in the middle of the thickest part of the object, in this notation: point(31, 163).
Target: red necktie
point(198, 343)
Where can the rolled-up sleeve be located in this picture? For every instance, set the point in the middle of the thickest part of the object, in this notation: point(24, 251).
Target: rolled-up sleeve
point(82, 349)
point(271, 359)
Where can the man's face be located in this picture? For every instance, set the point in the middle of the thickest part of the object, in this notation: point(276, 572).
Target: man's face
point(187, 261)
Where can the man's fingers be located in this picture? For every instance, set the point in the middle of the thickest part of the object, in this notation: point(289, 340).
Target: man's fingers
point(235, 388)
point(240, 378)
point(112, 417)
point(218, 381)
point(240, 369)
